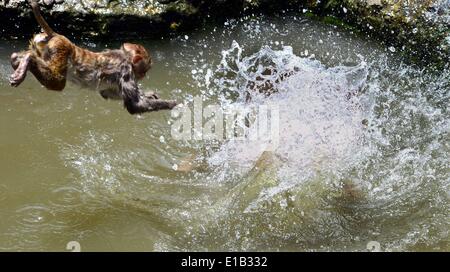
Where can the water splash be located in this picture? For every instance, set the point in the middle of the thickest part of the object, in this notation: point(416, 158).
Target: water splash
point(320, 117)
point(361, 145)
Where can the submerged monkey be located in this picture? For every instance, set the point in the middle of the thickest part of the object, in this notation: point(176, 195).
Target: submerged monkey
point(265, 86)
point(52, 58)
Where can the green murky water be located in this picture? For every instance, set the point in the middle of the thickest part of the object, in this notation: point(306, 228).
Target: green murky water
point(75, 167)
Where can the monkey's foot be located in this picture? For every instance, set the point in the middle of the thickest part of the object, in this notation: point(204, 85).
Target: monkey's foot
point(17, 78)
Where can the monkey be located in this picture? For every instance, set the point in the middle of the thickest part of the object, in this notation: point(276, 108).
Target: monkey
point(265, 86)
point(52, 59)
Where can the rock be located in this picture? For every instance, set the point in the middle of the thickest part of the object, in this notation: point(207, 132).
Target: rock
point(422, 28)
point(100, 18)
point(49, 2)
point(373, 2)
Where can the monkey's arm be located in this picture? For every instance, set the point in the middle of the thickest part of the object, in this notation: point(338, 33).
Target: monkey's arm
point(113, 94)
point(134, 100)
point(52, 79)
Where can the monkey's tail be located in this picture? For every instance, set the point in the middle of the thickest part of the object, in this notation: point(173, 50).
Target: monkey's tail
point(37, 13)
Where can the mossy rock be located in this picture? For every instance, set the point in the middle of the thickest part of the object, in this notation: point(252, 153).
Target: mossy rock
point(421, 28)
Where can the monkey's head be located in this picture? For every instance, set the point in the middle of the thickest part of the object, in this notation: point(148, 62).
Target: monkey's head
point(139, 57)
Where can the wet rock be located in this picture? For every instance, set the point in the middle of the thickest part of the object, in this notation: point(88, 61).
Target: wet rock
point(374, 2)
point(102, 18)
point(420, 29)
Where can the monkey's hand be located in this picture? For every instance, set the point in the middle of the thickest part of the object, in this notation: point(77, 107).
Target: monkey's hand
point(151, 102)
point(156, 103)
point(138, 102)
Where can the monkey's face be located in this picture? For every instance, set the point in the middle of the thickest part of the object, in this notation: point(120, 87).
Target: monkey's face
point(139, 57)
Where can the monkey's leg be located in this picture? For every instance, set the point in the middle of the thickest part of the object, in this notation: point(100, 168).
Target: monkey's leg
point(52, 79)
point(40, 69)
point(26, 60)
point(20, 62)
